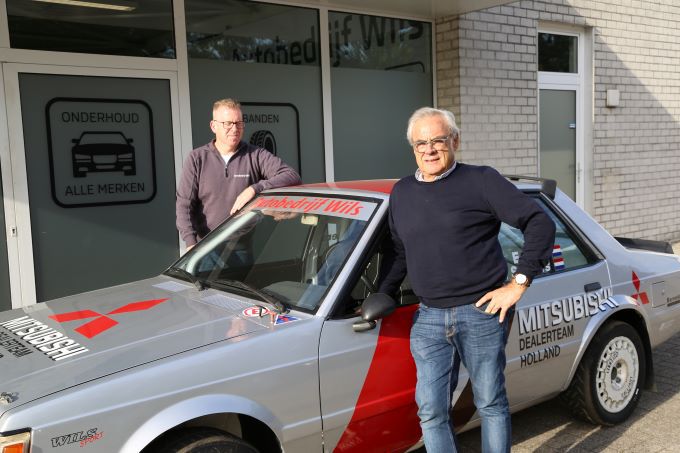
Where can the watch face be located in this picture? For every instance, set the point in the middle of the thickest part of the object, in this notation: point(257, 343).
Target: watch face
point(520, 279)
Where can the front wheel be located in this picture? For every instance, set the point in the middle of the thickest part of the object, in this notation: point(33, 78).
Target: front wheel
point(199, 440)
point(607, 385)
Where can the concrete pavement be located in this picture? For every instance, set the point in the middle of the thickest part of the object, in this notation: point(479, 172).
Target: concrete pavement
point(550, 427)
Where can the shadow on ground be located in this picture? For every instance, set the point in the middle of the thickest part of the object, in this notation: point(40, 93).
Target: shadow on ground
point(550, 427)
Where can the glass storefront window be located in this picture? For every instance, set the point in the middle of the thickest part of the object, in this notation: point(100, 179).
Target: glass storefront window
point(109, 27)
point(384, 43)
point(249, 32)
point(557, 53)
point(267, 57)
point(381, 71)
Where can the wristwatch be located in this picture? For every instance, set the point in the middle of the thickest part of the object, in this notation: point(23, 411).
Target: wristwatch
point(521, 280)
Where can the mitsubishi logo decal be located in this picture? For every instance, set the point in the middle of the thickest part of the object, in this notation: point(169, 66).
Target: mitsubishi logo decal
point(639, 295)
point(103, 321)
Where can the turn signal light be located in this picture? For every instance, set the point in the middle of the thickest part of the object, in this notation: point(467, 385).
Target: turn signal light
point(16, 443)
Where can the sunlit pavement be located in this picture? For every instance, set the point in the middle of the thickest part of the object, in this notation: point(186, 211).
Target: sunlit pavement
point(550, 427)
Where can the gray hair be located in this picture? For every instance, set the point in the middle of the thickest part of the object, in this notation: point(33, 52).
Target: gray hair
point(425, 112)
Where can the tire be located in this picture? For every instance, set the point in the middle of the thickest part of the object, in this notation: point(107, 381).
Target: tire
point(199, 440)
point(607, 385)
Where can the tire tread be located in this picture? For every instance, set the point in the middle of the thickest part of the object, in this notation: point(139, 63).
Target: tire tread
point(579, 397)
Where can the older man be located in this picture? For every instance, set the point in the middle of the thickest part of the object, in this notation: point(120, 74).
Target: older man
point(219, 178)
point(444, 222)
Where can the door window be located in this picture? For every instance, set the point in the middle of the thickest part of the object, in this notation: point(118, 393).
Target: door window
point(558, 138)
point(368, 280)
point(557, 53)
point(568, 253)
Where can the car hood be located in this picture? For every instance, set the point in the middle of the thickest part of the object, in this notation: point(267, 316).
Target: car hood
point(55, 345)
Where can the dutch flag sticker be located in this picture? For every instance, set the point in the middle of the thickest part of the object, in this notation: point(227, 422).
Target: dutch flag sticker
point(558, 260)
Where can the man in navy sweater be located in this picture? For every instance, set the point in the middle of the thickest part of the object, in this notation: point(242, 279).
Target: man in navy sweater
point(444, 222)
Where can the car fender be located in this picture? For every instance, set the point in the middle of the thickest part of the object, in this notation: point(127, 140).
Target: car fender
point(199, 406)
point(616, 305)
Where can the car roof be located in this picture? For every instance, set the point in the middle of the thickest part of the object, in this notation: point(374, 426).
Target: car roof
point(385, 185)
point(369, 185)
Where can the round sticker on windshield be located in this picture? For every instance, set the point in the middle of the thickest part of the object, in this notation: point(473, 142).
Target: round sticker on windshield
point(255, 311)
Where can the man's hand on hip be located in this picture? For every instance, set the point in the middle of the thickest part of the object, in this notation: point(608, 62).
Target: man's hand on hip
point(501, 299)
point(243, 198)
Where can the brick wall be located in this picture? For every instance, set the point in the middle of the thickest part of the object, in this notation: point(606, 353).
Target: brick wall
point(487, 75)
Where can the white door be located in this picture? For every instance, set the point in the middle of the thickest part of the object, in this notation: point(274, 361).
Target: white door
point(561, 80)
point(93, 157)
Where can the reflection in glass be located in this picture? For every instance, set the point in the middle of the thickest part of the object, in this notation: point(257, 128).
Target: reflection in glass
point(374, 42)
point(266, 56)
point(557, 53)
point(118, 27)
point(291, 256)
point(236, 30)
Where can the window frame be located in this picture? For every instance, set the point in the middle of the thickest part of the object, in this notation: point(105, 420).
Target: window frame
point(591, 253)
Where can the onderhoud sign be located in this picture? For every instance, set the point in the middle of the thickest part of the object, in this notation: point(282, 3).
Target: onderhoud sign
point(101, 151)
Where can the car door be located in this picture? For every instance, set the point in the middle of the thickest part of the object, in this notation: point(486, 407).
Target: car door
point(550, 318)
point(367, 379)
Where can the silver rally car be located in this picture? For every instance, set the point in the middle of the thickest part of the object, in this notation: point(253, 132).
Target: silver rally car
point(269, 336)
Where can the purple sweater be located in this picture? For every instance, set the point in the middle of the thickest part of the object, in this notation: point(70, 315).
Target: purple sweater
point(208, 188)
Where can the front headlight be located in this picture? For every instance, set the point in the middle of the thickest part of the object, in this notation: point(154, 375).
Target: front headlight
point(16, 443)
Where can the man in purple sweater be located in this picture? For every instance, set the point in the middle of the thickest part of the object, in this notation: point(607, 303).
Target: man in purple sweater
point(219, 178)
point(444, 222)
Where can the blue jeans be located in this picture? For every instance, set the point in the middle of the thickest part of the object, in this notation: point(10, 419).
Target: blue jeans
point(440, 340)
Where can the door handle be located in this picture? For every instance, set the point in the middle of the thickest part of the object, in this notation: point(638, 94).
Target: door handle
point(594, 286)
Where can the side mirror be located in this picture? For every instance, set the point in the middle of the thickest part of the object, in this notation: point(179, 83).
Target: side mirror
point(376, 306)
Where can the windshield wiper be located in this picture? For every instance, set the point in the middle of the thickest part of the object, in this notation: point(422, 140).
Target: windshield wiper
point(267, 297)
point(192, 278)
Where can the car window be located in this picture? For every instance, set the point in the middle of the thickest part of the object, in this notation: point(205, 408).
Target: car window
point(369, 278)
point(290, 247)
point(567, 254)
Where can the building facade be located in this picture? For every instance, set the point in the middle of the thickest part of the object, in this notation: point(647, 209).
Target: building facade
point(587, 92)
point(101, 101)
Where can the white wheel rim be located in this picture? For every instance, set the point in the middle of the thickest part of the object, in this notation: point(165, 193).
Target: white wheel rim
point(617, 375)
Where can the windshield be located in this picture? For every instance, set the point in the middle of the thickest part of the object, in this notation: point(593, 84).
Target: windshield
point(290, 248)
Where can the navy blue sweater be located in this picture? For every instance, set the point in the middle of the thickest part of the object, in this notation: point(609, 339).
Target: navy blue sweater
point(446, 234)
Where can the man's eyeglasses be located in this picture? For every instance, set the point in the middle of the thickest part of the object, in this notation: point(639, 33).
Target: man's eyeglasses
point(229, 124)
point(437, 143)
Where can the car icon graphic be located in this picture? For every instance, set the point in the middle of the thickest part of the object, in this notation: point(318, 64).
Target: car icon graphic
point(97, 151)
